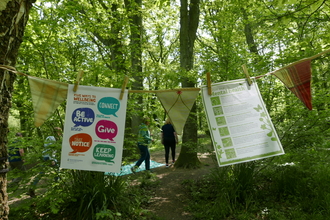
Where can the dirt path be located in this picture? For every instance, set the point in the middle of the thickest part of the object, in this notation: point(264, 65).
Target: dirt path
point(169, 200)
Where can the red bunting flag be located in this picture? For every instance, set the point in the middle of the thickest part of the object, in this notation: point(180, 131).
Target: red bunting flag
point(297, 79)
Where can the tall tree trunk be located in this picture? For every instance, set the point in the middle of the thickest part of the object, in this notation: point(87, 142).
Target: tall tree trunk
point(133, 118)
point(114, 40)
point(189, 19)
point(249, 34)
point(13, 18)
point(134, 8)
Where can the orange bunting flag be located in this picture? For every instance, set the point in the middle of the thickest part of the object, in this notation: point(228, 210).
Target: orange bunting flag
point(177, 105)
point(297, 79)
point(47, 95)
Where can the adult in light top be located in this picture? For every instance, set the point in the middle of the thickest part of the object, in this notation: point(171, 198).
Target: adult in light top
point(144, 139)
point(49, 153)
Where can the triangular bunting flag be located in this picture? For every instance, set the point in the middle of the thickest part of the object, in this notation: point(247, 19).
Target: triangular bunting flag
point(47, 95)
point(297, 79)
point(177, 105)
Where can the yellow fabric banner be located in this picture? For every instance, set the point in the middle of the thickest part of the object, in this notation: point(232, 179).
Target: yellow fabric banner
point(177, 105)
point(47, 95)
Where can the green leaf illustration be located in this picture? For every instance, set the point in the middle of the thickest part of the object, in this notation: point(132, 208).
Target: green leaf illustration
point(258, 108)
point(220, 152)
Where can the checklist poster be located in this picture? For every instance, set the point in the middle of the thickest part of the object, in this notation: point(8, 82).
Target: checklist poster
point(239, 123)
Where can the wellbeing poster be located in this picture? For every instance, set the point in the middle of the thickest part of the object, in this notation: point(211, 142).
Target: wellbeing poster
point(239, 123)
point(94, 129)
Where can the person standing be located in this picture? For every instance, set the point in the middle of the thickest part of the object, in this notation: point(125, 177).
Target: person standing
point(15, 156)
point(48, 155)
point(169, 140)
point(144, 139)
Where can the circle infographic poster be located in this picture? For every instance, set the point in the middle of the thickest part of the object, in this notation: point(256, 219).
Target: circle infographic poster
point(94, 129)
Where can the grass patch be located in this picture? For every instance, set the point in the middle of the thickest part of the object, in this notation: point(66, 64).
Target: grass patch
point(289, 187)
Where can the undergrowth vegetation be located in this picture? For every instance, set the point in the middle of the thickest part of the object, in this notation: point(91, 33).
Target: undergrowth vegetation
point(293, 186)
point(89, 195)
point(290, 186)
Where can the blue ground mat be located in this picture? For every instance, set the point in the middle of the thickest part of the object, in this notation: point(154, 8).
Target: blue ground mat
point(125, 170)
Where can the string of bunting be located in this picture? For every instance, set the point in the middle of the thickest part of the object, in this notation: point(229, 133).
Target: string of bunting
point(13, 69)
point(79, 77)
point(48, 94)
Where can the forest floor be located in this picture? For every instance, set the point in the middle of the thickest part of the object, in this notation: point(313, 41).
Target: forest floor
point(169, 198)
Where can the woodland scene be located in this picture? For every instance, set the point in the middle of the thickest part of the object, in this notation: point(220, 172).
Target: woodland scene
point(162, 45)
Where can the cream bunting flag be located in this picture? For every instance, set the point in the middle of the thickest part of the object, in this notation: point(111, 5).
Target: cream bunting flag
point(47, 95)
point(177, 105)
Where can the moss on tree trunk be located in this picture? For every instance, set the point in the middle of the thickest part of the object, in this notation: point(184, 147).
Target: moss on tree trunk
point(13, 19)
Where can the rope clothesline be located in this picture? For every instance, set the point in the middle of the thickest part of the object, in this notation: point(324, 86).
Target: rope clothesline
point(13, 69)
point(166, 90)
point(295, 63)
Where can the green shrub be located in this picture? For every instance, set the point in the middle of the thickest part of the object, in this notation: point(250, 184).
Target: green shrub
point(293, 186)
point(226, 191)
point(89, 195)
